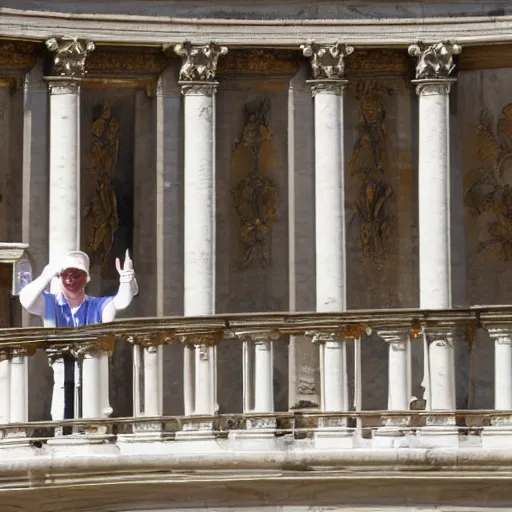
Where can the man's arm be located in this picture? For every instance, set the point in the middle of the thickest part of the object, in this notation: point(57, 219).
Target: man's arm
point(128, 288)
point(31, 297)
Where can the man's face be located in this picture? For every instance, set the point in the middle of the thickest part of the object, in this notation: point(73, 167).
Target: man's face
point(74, 279)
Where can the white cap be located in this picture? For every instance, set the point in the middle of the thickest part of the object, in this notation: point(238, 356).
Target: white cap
point(76, 259)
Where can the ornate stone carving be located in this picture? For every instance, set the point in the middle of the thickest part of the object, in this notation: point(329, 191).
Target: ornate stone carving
point(259, 62)
point(18, 55)
point(436, 60)
point(155, 339)
point(373, 60)
point(208, 339)
point(327, 62)
point(8, 353)
point(255, 197)
point(259, 336)
point(329, 86)
point(70, 56)
point(100, 214)
point(489, 191)
point(369, 162)
point(102, 346)
point(343, 332)
point(132, 62)
point(198, 89)
point(199, 62)
point(434, 87)
point(396, 338)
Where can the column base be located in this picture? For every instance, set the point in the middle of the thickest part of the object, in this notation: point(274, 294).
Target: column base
point(498, 434)
point(438, 436)
point(14, 438)
point(497, 437)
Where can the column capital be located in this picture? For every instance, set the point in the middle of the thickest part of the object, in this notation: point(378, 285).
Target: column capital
point(102, 346)
point(327, 86)
point(501, 334)
point(433, 86)
point(327, 62)
point(70, 56)
point(62, 85)
point(395, 337)
point(440, 334)
point(258, 336)
point(435, 60)
point(199, 62)
point(194, 88)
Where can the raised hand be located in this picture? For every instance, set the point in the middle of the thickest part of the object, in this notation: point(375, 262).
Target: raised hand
point(51, 270)
point(126, 272)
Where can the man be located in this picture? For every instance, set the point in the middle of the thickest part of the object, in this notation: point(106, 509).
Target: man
point(71, 307)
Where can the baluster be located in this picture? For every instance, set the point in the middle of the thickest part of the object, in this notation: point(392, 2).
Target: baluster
point(136, 378)
point(5, 390)
point(95, 378)
point(19, 388)
point(399, 391)
point(264, 372)
point(499, 433)
point(502, 338)
point(333, 432)
point(153, 402)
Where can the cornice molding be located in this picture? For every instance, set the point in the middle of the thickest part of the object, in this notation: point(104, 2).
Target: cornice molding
point(153, 30)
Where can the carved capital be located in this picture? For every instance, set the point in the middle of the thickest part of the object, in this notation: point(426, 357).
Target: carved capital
point(432, 86)
point(61, 85)
point(396, 338)
point(327, 62)
point(152, 340)
point(436, 60)
point(259, 337)
point(208, 339)
point(199, 62)
point(440, 335)
point(103, 346)
point(10, 353)
point(501, 334)
point(198, 88)
point(70, 56)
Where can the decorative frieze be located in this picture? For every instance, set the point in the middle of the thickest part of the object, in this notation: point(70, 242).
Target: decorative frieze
point(259, 62)
point(70, 56)
point(199, 62)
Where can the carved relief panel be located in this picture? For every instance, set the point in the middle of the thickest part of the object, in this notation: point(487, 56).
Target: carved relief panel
point(369, 163)
point(255, 197)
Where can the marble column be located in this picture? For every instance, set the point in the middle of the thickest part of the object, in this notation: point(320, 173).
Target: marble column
point(433, 82)
point(64, 204)
point(327, 86)
point(198, 85)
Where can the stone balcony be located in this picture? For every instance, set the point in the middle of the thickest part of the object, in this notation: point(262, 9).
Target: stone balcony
point(413, 432)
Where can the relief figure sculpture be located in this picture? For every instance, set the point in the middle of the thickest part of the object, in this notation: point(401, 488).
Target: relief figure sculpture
point(490, 184)
point(369, 161)
point(255, 197)
point(101, 211)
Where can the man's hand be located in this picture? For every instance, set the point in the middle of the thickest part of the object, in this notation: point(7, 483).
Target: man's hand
point(51, 270)
point(126, 272)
